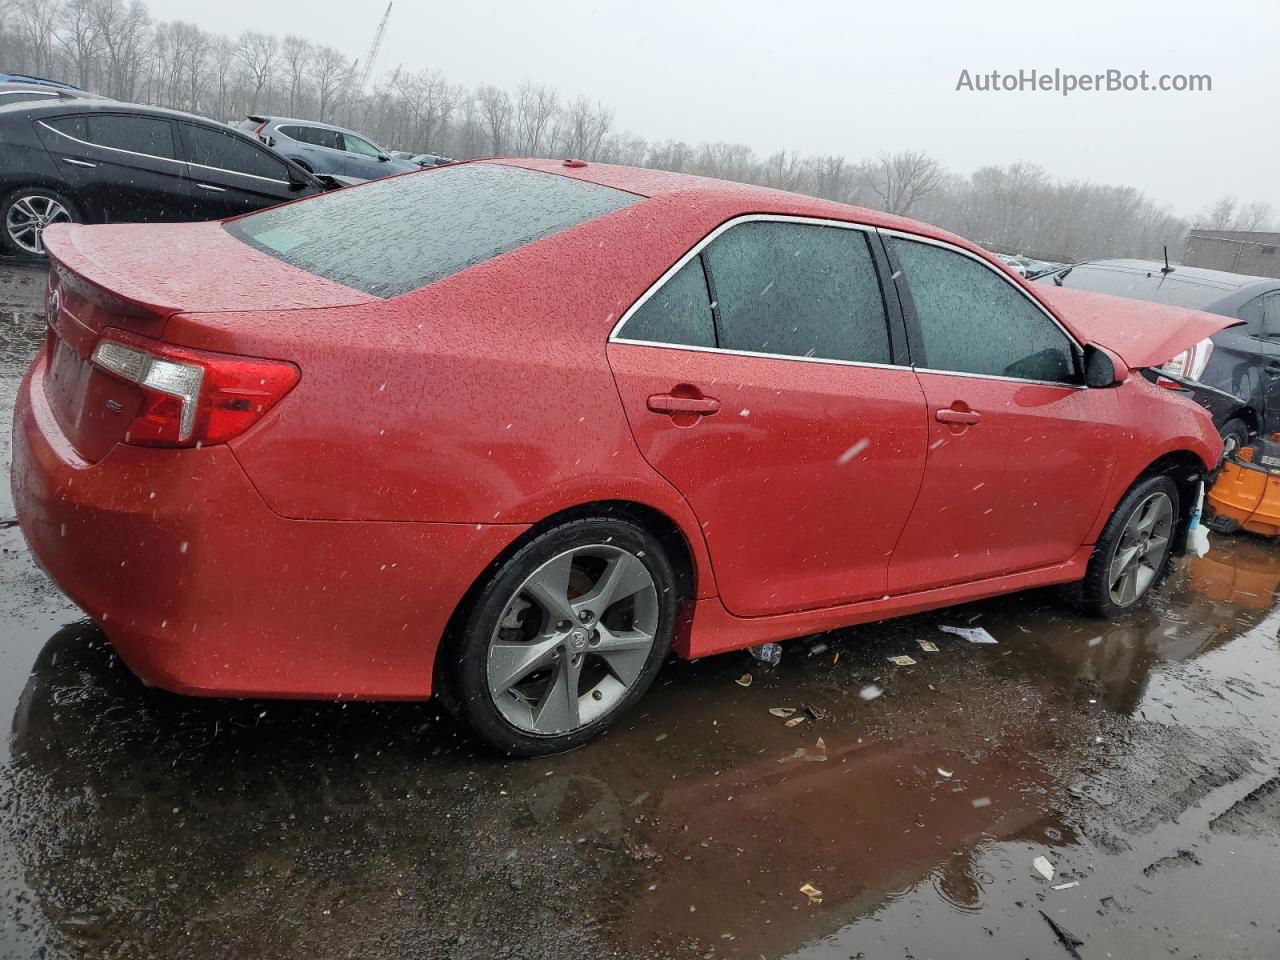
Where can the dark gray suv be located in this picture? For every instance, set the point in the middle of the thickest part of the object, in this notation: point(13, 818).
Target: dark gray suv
point(325, 149)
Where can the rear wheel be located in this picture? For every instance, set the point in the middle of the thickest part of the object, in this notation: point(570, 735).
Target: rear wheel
point(568, 633)
point(26, 212)
point(1134, 551)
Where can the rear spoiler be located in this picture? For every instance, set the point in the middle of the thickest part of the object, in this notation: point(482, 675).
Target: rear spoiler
point(255, 118)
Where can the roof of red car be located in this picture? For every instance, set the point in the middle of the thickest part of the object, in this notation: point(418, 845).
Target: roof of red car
point(753, 199)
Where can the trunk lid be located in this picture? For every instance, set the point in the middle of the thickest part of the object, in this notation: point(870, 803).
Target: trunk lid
point(135, 277)
point(1144, 334)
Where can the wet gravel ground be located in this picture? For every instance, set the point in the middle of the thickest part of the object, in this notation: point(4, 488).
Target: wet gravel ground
point(1140, 758)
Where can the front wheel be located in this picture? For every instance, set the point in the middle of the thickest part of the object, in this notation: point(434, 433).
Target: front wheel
point(568, 633)
point(1134, 551)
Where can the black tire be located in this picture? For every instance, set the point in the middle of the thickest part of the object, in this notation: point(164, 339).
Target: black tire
point(464, 667)
point(1235, 434)
point(1092, 595)
point(10, 245)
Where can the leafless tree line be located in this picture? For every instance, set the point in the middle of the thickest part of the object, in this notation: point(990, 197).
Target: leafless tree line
point(116, 48)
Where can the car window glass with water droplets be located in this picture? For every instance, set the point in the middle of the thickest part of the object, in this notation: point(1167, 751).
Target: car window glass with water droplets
point(390, 236)
point(973, 320)
point(799, 290)
point(679, 312)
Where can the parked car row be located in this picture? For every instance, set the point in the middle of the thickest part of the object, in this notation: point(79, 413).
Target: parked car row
point(325, 148)
point(596, 414)
point(1241, 362)
point(70, 156)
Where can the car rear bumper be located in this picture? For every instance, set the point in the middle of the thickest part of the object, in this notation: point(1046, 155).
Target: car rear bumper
point(203, 590)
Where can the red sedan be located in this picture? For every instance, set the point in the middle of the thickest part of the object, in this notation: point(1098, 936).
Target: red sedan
point(511, 431)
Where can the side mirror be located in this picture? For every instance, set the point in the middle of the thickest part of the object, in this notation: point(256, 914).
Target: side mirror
point(1102, 367)
point(384, 158)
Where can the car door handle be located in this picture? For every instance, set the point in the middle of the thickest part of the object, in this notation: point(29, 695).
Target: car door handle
point(952, 415)
point(78, 163)
point(668, 403)
point(211, 187)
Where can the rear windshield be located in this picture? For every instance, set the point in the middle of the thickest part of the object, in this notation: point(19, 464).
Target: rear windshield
point(1156, 287)
point(392, 236)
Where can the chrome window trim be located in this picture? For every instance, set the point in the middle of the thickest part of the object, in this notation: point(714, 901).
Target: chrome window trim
point(762, 356)
point(101, 146)
point(152, 156)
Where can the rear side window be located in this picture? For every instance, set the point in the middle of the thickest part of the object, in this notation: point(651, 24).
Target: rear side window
point(71, 126)
point(679, 312)
point(227, 151)
point(390, 236)
point(973, 320)
point(1263, 314)
point(800, 290)
point(316, 136)
point(150, 136)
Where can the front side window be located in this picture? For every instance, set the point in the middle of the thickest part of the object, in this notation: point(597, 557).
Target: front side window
point(973, 320)
point(363, 147)
point(390, 236)
point(799, 290)
point(150, 136)
point(224, 150)
point(679, 312)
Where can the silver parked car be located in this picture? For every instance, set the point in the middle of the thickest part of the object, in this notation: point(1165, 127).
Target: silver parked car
point(323, 148)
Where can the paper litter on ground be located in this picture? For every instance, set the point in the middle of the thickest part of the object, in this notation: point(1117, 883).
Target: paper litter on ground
point(972, 634)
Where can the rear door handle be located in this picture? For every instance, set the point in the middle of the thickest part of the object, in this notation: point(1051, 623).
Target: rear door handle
point(668, 403)
point(951, 415)
point(211, 187)
point(78, 163)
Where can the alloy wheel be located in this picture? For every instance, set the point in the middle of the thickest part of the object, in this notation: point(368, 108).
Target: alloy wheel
point(1141, 551)
point(27, 218)
point(573, 639)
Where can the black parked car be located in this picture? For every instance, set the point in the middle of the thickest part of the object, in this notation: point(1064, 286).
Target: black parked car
point(100, 161)
point(1243, 360)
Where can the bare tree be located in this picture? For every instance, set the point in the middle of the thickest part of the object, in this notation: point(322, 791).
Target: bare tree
point(329, 71)
point(77, 33)
point(256, 53)
point(495, 111)
point(36, 22)
point(125, 30)
point(536, 108)
point(900, 180)
point(296, 54)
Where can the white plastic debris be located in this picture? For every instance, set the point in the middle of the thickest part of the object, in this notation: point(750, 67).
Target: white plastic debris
point(980, 802)
point(1197, 533)
point(972, 634)
point(944, 773)
point(770, 653)
point(1066, 886)
point(1043, 867)
point(870, 692)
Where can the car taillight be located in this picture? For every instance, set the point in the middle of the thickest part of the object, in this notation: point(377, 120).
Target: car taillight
point(1190, 363)
point(192, 397)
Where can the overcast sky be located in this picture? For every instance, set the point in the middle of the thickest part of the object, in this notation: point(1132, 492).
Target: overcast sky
point(858, 77)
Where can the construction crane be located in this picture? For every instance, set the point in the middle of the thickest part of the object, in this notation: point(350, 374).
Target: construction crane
point(367, 69)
